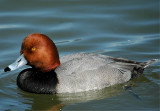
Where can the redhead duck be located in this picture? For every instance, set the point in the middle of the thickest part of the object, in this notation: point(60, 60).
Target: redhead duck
point(72, 73)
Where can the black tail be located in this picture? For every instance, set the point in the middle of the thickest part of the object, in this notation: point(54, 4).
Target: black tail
point(137, 71)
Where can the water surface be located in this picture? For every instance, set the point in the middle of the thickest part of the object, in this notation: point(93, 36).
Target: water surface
point(128, 29)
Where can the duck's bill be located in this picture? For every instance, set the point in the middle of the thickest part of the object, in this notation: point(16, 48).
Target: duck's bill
point(15, 65)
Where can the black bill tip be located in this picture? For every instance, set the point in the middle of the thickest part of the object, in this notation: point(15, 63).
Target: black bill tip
point(7, 69)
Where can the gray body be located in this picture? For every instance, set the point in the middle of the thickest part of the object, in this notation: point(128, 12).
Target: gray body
point(83, 71)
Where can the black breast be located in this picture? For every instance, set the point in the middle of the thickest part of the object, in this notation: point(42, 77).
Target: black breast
point(34, 81)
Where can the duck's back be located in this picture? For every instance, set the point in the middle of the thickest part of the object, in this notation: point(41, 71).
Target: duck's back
point(83, 72)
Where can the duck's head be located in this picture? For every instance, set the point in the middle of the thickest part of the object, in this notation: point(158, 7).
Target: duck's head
point(38, 51)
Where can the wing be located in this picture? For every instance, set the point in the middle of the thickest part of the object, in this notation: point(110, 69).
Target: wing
point(99, 78)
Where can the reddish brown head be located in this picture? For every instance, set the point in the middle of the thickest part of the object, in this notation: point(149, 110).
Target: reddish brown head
point(40, 52)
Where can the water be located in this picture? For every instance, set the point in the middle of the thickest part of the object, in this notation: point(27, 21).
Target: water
point(128, 29)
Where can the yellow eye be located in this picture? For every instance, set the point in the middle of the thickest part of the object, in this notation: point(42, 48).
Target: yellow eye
point(33, 49)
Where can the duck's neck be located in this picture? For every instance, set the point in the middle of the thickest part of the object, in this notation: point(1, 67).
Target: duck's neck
point(34, 81)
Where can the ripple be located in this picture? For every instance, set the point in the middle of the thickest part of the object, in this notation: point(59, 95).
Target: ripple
point(9, 26)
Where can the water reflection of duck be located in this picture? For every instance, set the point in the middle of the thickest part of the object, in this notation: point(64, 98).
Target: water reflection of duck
point(72, 73)
point(56, 102)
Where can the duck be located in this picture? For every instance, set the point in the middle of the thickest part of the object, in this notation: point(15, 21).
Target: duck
point(79, 72)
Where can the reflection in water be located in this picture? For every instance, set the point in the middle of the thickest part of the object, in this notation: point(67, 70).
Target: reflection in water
point(129, 89)
point(58, 101)
point(57, 107)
